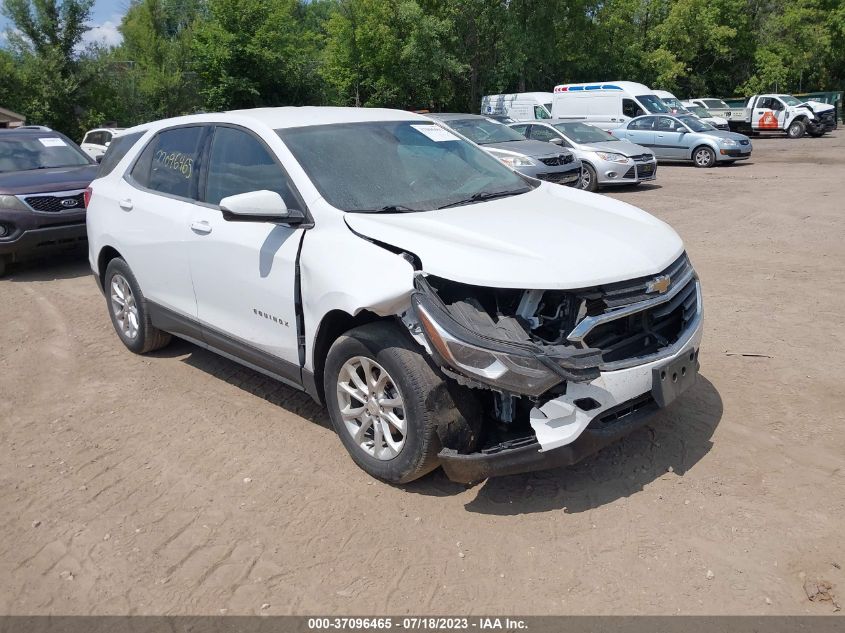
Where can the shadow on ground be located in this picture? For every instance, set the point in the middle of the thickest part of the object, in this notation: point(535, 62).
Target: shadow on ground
point(677, 437)
point(68, 265)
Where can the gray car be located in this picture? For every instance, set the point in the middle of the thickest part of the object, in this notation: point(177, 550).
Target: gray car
point(685, 138)
point(605, 159)
point(531, 158)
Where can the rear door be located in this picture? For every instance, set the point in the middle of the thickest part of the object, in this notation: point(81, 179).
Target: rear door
point(641, 132)
point(244, 273)
point(156, 200)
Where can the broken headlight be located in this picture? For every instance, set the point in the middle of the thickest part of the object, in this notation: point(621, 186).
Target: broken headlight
point(506, 371)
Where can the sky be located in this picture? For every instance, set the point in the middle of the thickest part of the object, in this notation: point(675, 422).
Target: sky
point(105, 18)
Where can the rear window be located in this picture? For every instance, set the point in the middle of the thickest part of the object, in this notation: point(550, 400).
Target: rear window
point(116, 151)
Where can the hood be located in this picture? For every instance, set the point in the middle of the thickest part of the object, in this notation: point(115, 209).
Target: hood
point(47, 180)
point(550, 238)
point(818, 106)
point(736, 136)
point(625, 148)
point(528, 147)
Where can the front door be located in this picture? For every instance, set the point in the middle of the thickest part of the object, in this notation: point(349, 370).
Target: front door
point(669, 138)
point(768, 114)
point(244, 272)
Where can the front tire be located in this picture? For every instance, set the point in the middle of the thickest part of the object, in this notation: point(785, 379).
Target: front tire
point(796, 129)
point(704, 157)
point(589, 180)
point(128, 310)
point(388, 404)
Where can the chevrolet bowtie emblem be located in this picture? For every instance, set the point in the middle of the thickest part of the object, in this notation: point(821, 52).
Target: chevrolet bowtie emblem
point(659, 284)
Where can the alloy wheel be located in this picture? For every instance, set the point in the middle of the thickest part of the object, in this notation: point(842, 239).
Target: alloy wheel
point(372, 408)
point(124, 308)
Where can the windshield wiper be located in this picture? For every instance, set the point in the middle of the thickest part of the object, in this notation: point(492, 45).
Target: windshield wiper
point(483, 196)
point(390, 208)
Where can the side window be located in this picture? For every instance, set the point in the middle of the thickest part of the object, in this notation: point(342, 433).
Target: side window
point(665, 124)
point(116, 151)
point(542, 133)
point(87, 137)
point(522, 129)
point(646, 123)
point(238, 163)
point(540, 112)
point(169, 162)
point(631, 108)
point(777, 104)
point(765, 103)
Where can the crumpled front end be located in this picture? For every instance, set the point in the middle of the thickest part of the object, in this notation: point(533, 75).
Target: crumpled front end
point(559, 374)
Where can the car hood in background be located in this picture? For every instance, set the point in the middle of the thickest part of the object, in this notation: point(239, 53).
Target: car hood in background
point(47, 180)
point(626, 148)
point(528, 147)
point(550, 238)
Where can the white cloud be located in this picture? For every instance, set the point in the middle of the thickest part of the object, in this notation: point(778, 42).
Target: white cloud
point(105, 33)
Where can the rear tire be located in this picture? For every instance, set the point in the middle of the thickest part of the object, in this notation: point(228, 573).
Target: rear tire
point(589, 180)
point(703, 157)
point(128, 310)
point(397, 411)
point(796, 129)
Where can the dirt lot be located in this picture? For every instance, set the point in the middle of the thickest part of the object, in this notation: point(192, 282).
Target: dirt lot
point(182, 483)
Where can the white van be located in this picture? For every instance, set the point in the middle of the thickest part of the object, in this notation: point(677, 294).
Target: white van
point(522, 106)
point(605, 105)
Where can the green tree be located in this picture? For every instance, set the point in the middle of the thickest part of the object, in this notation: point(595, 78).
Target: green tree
point(44, 48)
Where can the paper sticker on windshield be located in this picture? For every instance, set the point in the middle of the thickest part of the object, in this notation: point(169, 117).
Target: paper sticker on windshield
point(52, 142)
point(435, 132)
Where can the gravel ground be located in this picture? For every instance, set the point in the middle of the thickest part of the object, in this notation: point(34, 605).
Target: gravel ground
point(181, 483)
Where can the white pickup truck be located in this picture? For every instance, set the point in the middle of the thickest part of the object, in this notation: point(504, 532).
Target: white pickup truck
point(783, 113)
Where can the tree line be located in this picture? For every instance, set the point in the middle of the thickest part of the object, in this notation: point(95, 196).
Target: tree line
point(182, 56)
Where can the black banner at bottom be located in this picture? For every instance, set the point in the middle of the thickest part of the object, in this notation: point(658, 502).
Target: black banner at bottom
point(510, 624)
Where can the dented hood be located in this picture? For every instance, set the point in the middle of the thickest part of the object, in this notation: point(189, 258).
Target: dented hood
point(553, 237)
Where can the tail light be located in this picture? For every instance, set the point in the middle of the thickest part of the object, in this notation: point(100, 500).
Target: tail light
point(86, 197)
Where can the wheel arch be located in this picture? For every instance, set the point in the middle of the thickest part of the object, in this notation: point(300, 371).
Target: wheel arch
point(711, 145)
point(332, 326)
point(107, 253)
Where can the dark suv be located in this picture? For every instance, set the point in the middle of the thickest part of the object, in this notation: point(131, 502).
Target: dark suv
point(43, 177)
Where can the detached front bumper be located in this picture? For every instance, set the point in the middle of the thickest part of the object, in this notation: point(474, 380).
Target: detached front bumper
point(618, 402)
point(567, 174)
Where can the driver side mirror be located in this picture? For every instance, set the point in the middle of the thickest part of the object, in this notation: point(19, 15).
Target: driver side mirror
point(259, 206)
point(557, 141)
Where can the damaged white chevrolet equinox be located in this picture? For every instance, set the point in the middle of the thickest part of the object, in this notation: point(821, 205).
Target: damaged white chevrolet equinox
point(445, 309)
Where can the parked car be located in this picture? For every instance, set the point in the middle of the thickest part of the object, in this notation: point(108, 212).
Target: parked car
point(523, 106)
point(717, 107)
point(532, 158)
point(705, 115)
point(784, 113)
point(686, 138)
point(43, 175)
point(445, 309)
point(605, 159)
point(96, 142)
point(605, 105)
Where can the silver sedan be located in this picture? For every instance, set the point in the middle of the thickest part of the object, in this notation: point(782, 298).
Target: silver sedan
point(606, 160)
point(685, 138)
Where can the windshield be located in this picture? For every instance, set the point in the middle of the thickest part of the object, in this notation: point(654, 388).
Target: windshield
point(696, 125)
point(397, 166)
point(675, 104)
point(484, 131)
point(38, 152)
point(653, 104)
point(583, 133)
point(789, 100)
point(716, 103)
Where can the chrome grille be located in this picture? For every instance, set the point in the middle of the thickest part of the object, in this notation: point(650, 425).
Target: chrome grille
point(56, 203)
point(560, 159)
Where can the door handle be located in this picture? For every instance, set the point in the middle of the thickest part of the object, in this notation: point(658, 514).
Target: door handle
point(125, 204)
point(201, 226)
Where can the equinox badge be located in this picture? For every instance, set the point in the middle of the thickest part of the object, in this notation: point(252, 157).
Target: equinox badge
point(659, 284)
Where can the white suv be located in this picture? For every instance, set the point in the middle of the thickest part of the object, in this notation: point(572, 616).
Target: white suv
point(97, 141)
point(448, 311)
